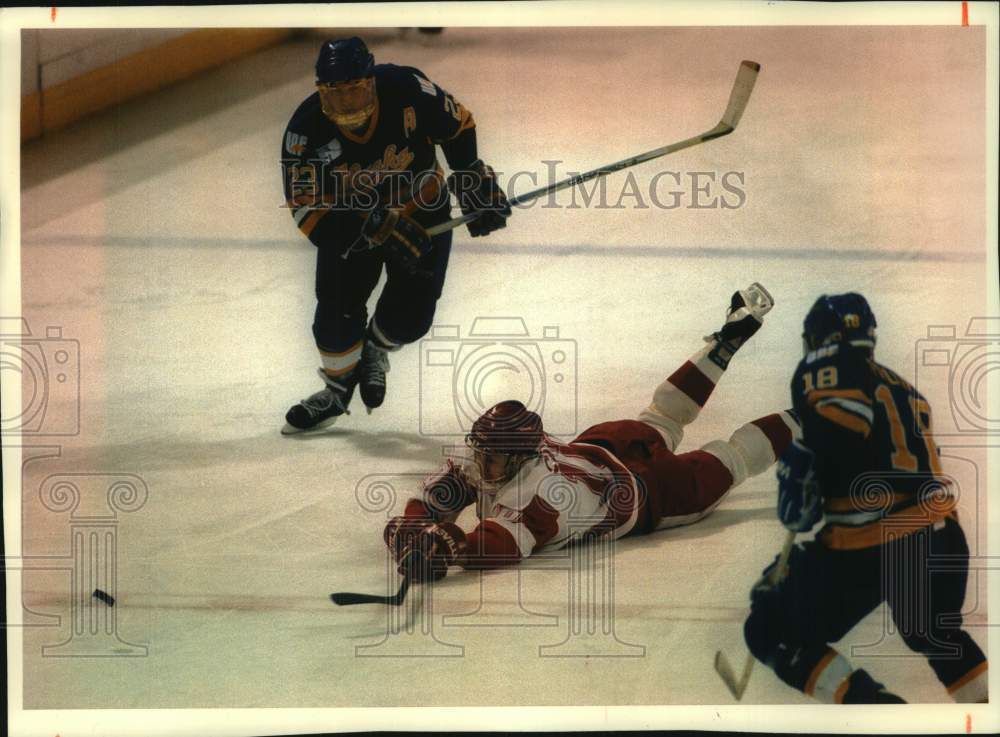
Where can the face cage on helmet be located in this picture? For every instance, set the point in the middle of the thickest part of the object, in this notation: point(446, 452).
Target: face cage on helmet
point(514, 461)
point(348, 104)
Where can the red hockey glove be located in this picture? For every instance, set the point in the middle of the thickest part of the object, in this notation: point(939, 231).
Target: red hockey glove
point(433, 550)
point(401, 532)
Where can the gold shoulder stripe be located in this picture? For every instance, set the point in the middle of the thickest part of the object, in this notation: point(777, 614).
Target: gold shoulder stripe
point(816, 394)
point(466, 122)
point(845, 419)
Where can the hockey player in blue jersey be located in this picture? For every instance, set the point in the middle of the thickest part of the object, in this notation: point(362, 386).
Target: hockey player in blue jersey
point(867, 463)
point(363, 183)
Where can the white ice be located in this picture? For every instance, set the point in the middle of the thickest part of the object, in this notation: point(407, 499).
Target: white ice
point(153, 235)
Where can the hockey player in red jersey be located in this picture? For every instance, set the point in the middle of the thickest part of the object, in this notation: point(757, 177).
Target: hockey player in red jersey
point(534, 493)
point(363, 183)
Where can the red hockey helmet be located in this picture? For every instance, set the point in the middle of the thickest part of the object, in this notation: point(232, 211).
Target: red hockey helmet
point(509, 428)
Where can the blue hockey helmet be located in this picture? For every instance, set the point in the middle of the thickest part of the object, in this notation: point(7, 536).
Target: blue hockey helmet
point(346, 83)
point(839, 318)
point(343, 60)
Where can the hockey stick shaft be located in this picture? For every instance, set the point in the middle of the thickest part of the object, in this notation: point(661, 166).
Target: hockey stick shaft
point(347, 598)
point(738, 98)
point(738, 687)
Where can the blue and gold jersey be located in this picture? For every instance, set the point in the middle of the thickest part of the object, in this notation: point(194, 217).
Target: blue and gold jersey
point(334, 177)
point(876, 462)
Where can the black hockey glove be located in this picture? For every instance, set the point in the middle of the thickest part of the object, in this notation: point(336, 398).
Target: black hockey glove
point(477, 191)
point(402, 239)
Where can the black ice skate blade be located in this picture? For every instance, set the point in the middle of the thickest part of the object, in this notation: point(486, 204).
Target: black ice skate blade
point(289, 430)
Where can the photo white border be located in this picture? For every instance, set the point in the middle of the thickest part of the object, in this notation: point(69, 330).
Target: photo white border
point(949, 718)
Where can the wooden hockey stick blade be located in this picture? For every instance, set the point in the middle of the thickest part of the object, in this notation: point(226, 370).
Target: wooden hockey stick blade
point(736, 687)
point(746, 76)
point(741, 687)
point(722, 666)
point(725, 672)
point(347, 598)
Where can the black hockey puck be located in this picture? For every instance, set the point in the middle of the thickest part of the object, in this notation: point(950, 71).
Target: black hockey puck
point(106, 598)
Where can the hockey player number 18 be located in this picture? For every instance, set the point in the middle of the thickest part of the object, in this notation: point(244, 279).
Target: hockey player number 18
point(902, 459)
point(826, 378)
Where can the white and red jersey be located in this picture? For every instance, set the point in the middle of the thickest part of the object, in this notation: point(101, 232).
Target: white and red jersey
point(616, 478)
point(565, 492)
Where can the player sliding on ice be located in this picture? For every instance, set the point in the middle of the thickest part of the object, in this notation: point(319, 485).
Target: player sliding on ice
point(617, 478)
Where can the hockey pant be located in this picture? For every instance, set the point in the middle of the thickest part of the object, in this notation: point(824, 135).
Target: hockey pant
point(403, 314)
point(681, 488)
point(827, 592)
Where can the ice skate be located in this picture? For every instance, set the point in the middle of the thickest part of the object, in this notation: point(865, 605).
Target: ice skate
point(371, 375)
point(863, 689)
point(743, 318)
point(322, 408)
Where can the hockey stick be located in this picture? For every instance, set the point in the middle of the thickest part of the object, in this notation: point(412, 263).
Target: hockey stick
point(346, 598)
point(722, 667)
point(738, 98)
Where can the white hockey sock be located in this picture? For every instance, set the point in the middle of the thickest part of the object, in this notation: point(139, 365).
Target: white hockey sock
point(830, 678)
point(680, 397)
point(339, 364)
point(378, 338)
point(754, 446)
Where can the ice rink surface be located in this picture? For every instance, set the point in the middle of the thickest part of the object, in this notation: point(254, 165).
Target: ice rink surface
point(154, 236)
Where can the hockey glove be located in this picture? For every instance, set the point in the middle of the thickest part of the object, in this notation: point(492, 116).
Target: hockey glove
point(401, 532)
point(402, 239)
point(432, 551)
point(800, 504)
point(477, 191)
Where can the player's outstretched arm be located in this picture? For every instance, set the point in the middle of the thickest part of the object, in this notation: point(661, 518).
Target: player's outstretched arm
point(444, 494)
point(489, 546)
